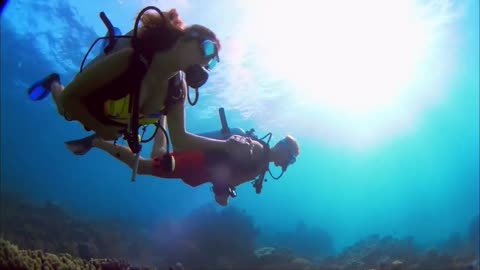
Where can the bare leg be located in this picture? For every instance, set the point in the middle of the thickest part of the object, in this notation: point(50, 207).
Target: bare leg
point(56, 89)
point(124, 154)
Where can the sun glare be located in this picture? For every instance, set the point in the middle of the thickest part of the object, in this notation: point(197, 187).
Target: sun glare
point(357, 59)
point(354, 57)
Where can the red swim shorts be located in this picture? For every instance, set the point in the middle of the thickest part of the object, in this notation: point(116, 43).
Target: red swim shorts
point(190, 166)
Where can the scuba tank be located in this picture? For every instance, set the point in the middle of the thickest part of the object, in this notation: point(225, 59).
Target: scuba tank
point(225, 132)
point(218, 134)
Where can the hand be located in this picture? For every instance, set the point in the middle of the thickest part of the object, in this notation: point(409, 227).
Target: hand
point(221, 199)
point(240, 147)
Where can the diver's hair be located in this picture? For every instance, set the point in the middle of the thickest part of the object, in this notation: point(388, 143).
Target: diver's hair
point(294, 144)
point(204, 32)
point(155, 34)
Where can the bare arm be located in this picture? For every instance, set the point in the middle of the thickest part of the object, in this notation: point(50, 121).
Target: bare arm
point(220, 192)
point(182, 139)
point(234, 180)
point(222, 199)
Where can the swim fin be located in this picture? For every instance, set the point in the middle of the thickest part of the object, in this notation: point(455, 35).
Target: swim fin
point(81, 146)
point(41, 89)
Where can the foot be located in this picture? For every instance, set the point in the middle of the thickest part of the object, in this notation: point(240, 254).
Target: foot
point(81, 146)
point(41, 89)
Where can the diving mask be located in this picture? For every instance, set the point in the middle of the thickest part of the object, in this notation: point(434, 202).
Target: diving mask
point(291, 156)
point(209, 49)
point(197, 75)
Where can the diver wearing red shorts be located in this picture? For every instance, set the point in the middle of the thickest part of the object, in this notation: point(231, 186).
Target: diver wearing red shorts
point(244, 160)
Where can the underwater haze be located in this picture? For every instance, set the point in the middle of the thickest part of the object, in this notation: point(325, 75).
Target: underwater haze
point(382, 96)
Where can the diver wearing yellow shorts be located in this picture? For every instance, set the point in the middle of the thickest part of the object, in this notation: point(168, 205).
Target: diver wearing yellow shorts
point(164, 57)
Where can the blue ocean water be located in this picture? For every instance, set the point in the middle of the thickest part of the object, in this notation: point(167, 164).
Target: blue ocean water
point(420, 180)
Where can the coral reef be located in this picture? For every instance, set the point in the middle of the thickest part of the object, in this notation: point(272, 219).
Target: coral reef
point(372, 253)
point(304, 240)
point(376, 251)
point(473, 235)
point(463, 243)
point(50, 228)
point(388, 253)
point(269, 258)
point(208, 238)
point(13, 258)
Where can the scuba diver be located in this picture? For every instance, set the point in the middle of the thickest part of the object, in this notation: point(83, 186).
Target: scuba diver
point(141, 78)
point(225, 170)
